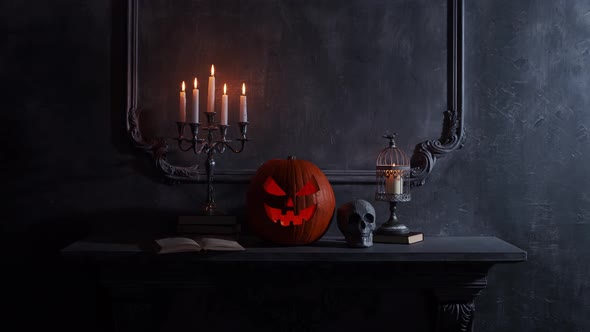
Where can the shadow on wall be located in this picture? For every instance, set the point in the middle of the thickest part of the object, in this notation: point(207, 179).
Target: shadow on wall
point(46, 239)
point(44, 291)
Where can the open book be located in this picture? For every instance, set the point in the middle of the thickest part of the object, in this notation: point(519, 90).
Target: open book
point(183, 244)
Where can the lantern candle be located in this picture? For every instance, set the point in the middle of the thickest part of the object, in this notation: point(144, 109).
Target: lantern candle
point(394, 183)
point(211, 92)
point(243, 105)
point(182, 105)
point(398, 184)
point(389, 183)
point(223, 121)
point(194, 115)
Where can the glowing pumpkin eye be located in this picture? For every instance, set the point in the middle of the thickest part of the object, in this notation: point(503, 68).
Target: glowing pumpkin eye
point(271, 187)
point(308, 189)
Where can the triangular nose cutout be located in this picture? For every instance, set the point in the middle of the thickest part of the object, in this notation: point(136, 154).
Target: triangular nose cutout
point(290, 202)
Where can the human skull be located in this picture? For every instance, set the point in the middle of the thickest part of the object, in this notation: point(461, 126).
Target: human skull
point(356, 220)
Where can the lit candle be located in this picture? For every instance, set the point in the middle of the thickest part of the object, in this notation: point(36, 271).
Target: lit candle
point(182, 106)
point(243, 105)
point(389, 184)
point(224, 106)
point(211, 92)
point(394, 183)
point(194, 115)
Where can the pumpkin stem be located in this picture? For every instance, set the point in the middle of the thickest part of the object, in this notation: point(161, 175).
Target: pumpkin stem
point(291, 158)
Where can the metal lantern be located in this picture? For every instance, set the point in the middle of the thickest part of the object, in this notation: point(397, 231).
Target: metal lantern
point(393, 184)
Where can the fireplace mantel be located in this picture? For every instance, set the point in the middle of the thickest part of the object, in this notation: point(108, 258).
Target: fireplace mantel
point(450, 270)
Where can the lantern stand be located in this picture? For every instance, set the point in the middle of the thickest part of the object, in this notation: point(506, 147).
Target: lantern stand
point(392, 225)
point(393, 184)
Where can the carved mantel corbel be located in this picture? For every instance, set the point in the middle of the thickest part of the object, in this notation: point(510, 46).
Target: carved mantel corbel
point(456, 301)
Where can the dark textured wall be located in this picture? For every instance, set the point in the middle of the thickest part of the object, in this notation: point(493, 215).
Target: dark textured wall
point(313, 71)
point(522, 175)
point(527, 83)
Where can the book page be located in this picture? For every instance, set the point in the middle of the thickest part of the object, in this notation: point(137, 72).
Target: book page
point(177, 244)
point(212, 243)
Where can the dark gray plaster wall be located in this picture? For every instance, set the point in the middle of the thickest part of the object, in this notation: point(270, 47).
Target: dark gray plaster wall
point(527, 82)
point(522, 175)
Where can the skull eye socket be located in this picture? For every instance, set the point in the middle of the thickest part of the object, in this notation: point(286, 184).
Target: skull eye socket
point(271, 187)
point(369, 218)
point(310, 187)
point(355, 218)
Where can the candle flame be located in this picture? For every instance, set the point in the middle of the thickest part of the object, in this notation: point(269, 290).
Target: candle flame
point(195, 82)
point(224, 88)
point(182, 86)
point(212, 70)
point(244, 89)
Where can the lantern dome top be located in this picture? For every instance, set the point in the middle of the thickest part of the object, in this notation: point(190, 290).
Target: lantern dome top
point(392, 156)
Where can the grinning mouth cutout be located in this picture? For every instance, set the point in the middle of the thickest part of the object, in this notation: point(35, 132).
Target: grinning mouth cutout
point(289, 218)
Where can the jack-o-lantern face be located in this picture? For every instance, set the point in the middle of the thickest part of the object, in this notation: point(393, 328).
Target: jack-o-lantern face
point(290, 202)
point(288, 212)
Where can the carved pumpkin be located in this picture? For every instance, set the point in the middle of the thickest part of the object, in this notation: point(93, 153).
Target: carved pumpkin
point(290, 202)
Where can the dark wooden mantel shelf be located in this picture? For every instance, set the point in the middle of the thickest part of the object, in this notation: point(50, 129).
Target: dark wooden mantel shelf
point(433, 249)
point(452, 269)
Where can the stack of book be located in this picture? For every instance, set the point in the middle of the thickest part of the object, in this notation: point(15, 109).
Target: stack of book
point(409, 238)
point(219, 226)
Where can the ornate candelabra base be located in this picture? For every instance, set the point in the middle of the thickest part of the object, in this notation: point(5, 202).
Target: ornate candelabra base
point(210, 209)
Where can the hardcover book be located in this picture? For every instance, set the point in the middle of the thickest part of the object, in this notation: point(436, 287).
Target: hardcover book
point(411, 237)
point(207, 220)
point(205, 226)
point(209, 229)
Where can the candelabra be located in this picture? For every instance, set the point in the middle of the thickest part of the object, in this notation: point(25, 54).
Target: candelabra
point(209, 146)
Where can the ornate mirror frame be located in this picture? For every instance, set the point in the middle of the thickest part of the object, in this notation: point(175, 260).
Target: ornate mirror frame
point(423, 159)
